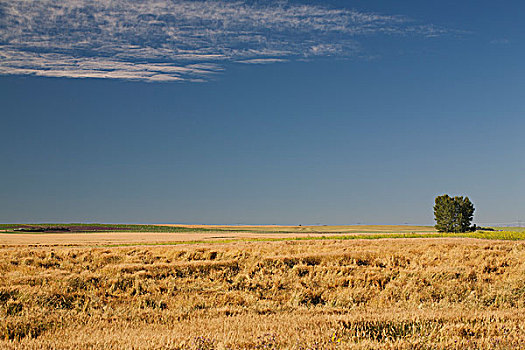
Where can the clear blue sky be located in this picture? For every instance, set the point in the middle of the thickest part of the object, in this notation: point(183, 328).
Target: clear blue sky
point(299, 112)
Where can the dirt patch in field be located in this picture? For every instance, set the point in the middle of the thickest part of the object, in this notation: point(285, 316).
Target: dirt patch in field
point(132, 237)
point(339, 229)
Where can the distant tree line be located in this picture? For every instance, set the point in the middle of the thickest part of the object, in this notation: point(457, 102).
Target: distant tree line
point(453, 214)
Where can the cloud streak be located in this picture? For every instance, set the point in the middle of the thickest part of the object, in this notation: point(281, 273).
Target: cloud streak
point(185, 40)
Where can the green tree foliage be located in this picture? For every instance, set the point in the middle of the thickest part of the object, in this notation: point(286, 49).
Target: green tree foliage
point(444, 213)
point(453, 214)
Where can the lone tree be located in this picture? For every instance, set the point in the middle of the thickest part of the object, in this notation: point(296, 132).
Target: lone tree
point(453, 214)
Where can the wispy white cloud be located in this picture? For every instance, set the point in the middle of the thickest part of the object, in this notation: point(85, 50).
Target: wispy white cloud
point(64, 65)
point(159, 40)
point(501, 41)
point(263, 60)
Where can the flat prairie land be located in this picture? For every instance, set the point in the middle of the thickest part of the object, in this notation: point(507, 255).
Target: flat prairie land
point(388, 293)
point(105, 235)
point(165, 234)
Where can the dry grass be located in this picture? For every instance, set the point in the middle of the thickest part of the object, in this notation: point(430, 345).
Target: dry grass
point(347, 294)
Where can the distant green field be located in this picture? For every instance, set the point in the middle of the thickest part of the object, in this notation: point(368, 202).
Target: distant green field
point(503, 235)
point(86, 228)
point(513, 229)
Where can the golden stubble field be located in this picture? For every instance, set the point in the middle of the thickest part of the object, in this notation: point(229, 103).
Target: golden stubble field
point(442, 293)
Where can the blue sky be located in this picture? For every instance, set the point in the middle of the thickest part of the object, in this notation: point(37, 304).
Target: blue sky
point(286, 112)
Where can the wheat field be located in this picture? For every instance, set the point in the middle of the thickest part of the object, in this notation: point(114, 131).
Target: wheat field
point(428, 293)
